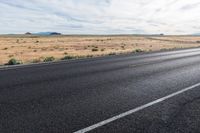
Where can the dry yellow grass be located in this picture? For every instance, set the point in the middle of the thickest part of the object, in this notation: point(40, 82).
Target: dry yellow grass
point(28, 48)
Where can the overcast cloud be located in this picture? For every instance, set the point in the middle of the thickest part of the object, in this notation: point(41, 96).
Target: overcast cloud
point(100, 16)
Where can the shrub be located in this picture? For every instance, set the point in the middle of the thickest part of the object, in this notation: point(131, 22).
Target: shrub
point(5, 48)
point(95, 49)
point(67, 58)
point(13, 62)
point(65, 53)
point(44, 49)
point(163, 49)
point(138, 51)
point(36, 61)
point(10, 56)
point(49, 59)
point(123, 47)
point(79, 57)
point(89, 56)
point(112, 54)
point(103, 49)
point(198, 41)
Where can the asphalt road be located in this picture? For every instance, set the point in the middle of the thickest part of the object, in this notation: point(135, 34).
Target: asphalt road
point(70, 96)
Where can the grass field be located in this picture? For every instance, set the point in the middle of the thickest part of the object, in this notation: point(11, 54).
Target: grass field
point(29, 48)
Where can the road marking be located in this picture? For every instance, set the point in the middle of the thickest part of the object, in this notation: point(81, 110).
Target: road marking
point(102, 123)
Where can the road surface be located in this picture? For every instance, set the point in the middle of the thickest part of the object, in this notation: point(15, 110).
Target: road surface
point(155, 92)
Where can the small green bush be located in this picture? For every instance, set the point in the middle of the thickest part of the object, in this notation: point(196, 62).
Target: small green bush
point(13, 62)
point(49, 59)
point(67, 58)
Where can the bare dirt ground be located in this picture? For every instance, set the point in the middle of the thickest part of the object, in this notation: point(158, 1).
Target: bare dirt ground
point(28, 48)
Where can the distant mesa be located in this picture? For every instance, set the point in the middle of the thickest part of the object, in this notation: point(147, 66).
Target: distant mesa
point(55, 33)
point(48, 33)
point(28, 33)
point(196, 34)
point(161, 34)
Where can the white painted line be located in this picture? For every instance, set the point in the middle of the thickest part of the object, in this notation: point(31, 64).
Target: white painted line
point(102, 123)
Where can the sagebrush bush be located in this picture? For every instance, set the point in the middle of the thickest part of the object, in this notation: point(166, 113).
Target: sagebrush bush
point(138, 51)
point(198, 41)
point(89, 56)
point(112, 53)
point(67, 58)
point(13, 61)
point(102, 49)
point(5, 48)
point(95, 49)
point(36, 61)
point(49, 59)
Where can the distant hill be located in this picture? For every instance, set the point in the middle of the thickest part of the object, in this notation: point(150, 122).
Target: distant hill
point(47, 33)
point(196, 34)
point(27, 33)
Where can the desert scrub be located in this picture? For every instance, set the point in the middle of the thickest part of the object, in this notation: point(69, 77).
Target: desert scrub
point(112, 54)
point(5, 48)
point(11, 56)
point(103, 49)
point(67, 58)
point(138, 51)
point(13, 61)
point(90, 56)
point(49, 59)
point(123, 47)
point(95, 49)
point(198, 41)
point(36, 61)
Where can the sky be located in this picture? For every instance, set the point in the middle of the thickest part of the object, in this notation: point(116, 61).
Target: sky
point(100, 16)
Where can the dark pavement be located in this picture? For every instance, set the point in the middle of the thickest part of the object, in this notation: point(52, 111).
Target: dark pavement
point(64, 97)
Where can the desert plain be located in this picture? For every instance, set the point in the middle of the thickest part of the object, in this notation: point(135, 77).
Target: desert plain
point(31, 48)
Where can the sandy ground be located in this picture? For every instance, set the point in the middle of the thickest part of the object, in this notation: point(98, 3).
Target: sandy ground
point(28, 48)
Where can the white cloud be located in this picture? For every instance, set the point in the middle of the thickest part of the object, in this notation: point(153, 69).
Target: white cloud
point(100, 16)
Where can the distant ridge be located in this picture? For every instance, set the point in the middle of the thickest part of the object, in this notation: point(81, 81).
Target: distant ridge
point(47, 33)
point(196, 34)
